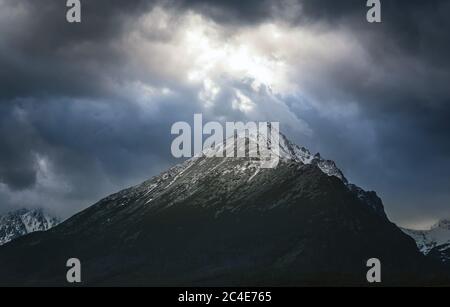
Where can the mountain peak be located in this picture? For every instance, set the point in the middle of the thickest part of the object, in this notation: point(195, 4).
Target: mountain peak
point(437, 236)
point(24, 221)
point(288, 151)
point(225, 219)
point(221, 220)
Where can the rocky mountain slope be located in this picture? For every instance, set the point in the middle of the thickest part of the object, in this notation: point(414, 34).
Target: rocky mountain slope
point(227, 222)
point(24, 221)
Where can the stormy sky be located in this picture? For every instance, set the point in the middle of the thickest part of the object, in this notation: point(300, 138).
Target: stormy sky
point(86, 109)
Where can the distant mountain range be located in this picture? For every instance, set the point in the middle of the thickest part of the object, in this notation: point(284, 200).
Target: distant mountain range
point(24, 221)
point(434, 242)
point(228, 222)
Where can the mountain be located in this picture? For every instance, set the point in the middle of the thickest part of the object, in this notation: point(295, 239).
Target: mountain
point(434, 242)
point(24, 221)
point(289, 151)
point(227, 222)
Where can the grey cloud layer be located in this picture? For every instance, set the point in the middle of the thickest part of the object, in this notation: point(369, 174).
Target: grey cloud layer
point(96, 100)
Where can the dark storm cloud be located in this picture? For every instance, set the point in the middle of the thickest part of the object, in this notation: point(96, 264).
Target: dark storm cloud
point(411, 44)
point(17, 164)
point(93, 148)
point(60, 102)
point(42, 54)
point(410, 22)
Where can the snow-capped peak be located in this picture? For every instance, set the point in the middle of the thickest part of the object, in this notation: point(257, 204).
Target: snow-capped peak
point(189, 173)
point(23, 221)
point(437, 235)
point(287, 150)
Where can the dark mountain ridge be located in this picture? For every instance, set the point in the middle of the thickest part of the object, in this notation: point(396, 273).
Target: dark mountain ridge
point(226, 222)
